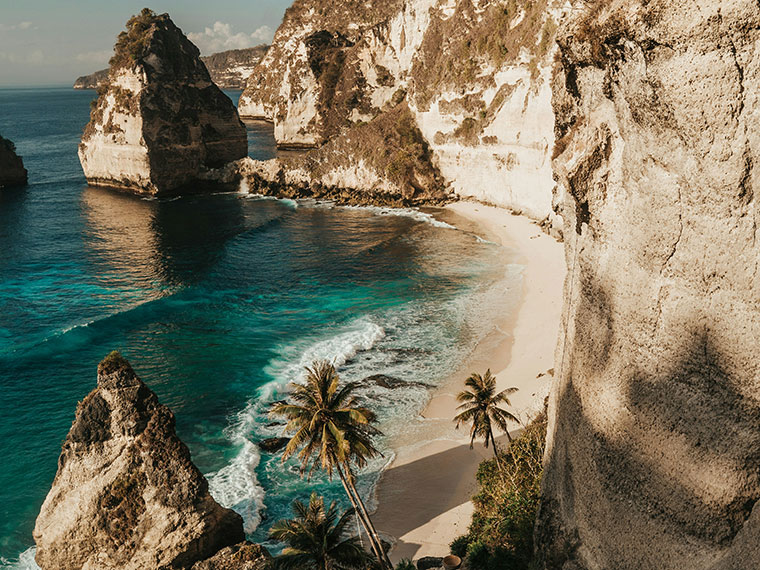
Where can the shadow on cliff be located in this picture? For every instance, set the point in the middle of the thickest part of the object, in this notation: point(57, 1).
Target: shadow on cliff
point(175, 241)
point(669, 472)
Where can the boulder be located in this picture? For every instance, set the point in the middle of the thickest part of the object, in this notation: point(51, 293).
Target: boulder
point(243, 556)
point(126, 494)
point(12, 171)
point(159, 121)
point(430, 563)
point(652, 457)
point(273, 444)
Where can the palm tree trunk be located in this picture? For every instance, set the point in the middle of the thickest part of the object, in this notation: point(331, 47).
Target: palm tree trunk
point(495, 449)
point(369, 522)
point(376, 547)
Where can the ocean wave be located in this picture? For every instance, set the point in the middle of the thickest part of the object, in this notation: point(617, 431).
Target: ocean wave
point(25, 561)
point(404, 212)
point(236, 486)
point(359, 335)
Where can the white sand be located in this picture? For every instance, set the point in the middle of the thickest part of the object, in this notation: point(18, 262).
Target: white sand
point(424, 496)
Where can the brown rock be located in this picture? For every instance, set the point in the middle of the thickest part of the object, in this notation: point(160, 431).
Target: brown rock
point(244, 556)
point(12, 171)
point(126, 494)
point(653, 452)
point(159, 122)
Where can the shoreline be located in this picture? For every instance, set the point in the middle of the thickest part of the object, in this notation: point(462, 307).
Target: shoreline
point(519, 350)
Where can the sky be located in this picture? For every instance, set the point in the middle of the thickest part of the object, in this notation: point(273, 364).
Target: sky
point(52, 42)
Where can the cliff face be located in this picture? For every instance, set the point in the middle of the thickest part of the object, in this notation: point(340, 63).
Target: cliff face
point(228, 69)
point(474, 73)
point(12, 171)
point(653, 453)
point(231, 69)
point(127, 494)
point(160, 121)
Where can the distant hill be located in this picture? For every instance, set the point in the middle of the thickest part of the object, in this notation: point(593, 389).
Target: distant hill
point(91, 81)
point(228, 69)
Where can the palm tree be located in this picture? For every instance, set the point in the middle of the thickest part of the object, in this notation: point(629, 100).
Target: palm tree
point(480, 407)
point(314, 539)
point(333, 432)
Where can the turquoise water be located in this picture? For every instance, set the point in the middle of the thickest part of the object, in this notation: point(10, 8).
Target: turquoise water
point(218, 301)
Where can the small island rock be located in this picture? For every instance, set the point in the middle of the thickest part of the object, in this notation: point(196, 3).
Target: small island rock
point(159, 121)
point(12, 171)
point(126, 494)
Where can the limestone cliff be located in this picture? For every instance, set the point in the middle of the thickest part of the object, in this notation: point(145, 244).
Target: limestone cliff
point(228, 69)
point(231, 69)
point(126, 494)
point(475, 75)
point(653, 452)
point(12, 171)
point(160, 121)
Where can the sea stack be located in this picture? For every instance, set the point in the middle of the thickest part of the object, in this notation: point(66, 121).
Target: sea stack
point(159, 121)
point(653, 450)
point(126, 494)
point(12, 171)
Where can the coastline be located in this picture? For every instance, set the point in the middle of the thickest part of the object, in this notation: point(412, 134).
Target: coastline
point(424, 496)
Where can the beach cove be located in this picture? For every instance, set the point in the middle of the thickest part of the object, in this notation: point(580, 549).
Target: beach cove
point(424, 496)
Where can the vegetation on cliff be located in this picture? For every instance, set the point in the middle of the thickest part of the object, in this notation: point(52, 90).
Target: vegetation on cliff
point(133, 43)
point(501, 533)
point(458, 50)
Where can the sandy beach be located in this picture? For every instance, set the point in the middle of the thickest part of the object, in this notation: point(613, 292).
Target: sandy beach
point(424, 496)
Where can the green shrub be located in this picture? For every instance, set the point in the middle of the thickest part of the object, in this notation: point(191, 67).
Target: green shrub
point(501, 532)
point(459, 545)
point(405, 564)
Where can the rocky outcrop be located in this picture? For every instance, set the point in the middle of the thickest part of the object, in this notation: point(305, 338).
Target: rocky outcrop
point(244, 556)
point(231, 69)
point(12, 171)
point(160, 122)
point(126, 494)
point(475, 75)
point(228, 69)
point(92, 81)
point(385, 162)
point(653, 452)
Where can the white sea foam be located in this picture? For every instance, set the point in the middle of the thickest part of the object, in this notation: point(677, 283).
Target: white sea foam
point(235, 485)
point(404, 212)
point(357, 336)
point(25, 561)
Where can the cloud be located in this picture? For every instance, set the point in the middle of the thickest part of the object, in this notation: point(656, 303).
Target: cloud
point(221, 37)
point(95, 57)
point(19, 26)
point(35, 57)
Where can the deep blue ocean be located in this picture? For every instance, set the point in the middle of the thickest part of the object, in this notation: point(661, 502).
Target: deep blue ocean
point(218, 301)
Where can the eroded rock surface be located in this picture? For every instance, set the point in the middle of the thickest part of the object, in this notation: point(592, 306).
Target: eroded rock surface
point(243, 556)
point(160, 121)
point(653, 452)
point(12, 171)
point(474, 74)
point(126, 494)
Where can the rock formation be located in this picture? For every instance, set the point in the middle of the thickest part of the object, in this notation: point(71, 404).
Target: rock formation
point(231, 69)
point(475, 76)
point(12, 171)
point(244, 556)
point(160, 122)
point(653, 452)
point(228, 69)
point(126, 494)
